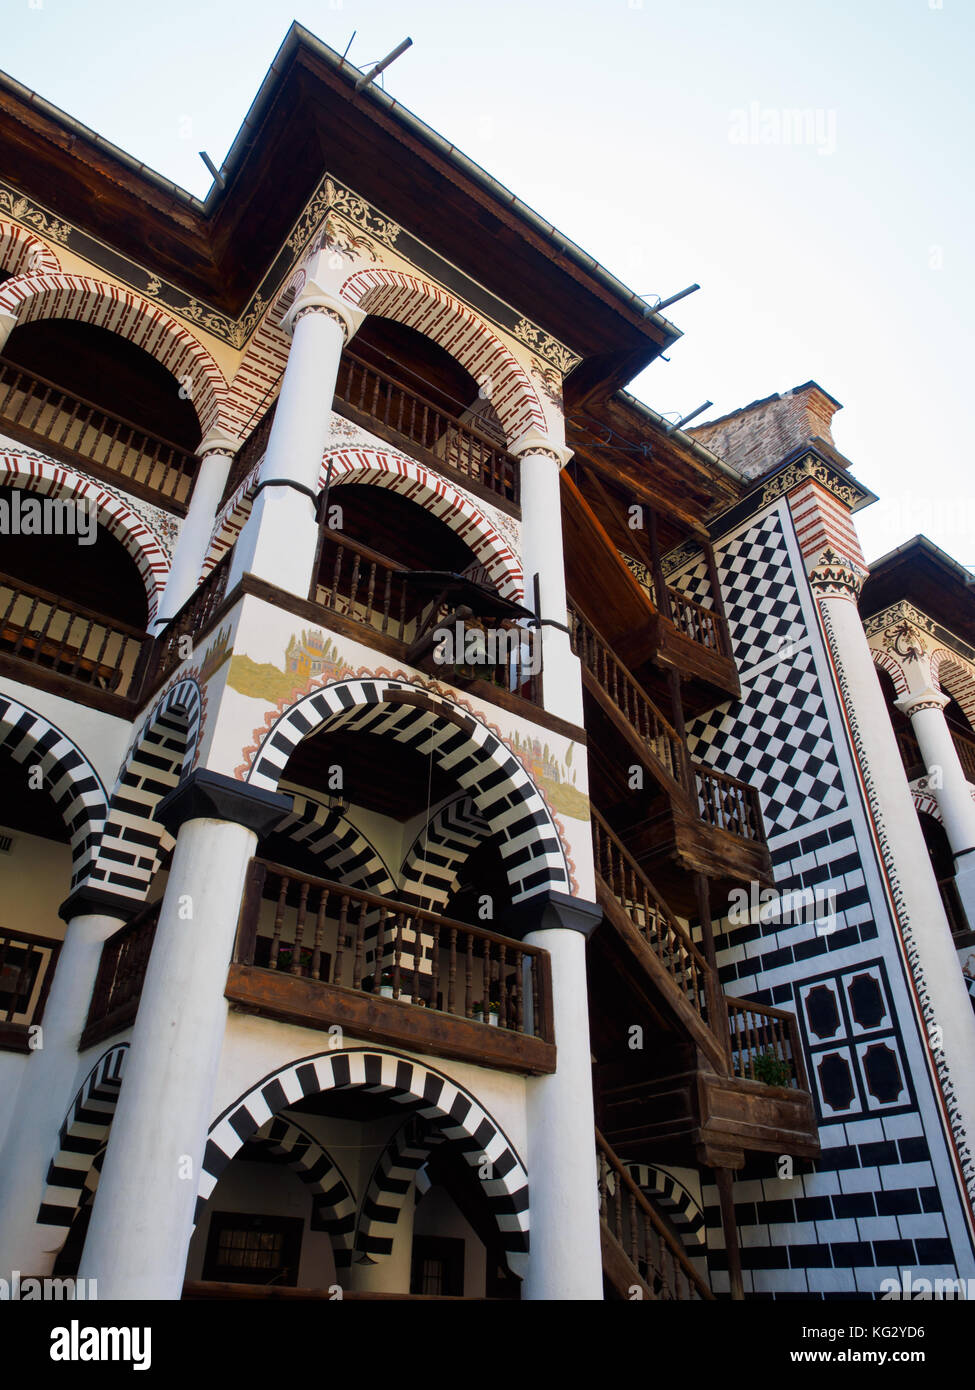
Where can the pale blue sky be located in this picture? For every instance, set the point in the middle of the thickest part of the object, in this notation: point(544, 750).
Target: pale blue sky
point(646, 132)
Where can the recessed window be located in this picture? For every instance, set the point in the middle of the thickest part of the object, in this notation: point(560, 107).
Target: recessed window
point(245, 1249)
point(438, 1267)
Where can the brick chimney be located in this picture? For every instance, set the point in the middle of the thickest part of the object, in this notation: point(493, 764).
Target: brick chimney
point(759, 436)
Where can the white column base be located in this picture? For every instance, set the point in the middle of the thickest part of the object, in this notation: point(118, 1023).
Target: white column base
point(565, 1261)
point(279, 542)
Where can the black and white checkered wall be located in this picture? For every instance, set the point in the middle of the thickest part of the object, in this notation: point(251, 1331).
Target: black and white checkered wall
point(880, 1198)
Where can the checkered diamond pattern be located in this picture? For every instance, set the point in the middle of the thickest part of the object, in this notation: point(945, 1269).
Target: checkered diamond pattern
point(777, 738)
point(759, 589)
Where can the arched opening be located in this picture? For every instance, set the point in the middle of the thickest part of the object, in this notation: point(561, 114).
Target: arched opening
point(72, 599)
point(106, 382)
point(50, 825)
point(414, 833)
point(111, 373)
point(395, 1181)
point(943, 864)
point(906, 742)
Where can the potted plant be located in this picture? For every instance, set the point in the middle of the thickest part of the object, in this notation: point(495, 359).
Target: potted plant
point(386, 984)
point(477, 1011)
point(772, 1069)
point(494, 1012)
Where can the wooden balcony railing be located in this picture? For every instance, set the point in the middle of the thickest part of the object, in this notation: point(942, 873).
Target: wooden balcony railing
point(639, 1251)
point(398, 413)
point(56, 635)
point(39, 413)
point(728, 804)
point(702, 625)
point(663, 933)
point(121, 972)
point(318, 930)
point(26, 969)
point(177, 641)
point(765, 1044)
point(371, 589)
point(661, 740)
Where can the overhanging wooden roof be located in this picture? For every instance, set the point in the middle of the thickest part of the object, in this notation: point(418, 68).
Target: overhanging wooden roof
point(306, 120)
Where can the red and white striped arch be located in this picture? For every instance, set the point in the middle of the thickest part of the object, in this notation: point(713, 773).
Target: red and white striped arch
point(384, 468)
point(46, 478)
point(393, 294)
point(22, 253)
point(86, 300)
point(889, 663)
point(955, 678)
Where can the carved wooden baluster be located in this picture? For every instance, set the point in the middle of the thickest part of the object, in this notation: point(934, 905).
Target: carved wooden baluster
point(502, 990)
point(435, 972)
point(336, 575)
point(278, 922)
point(518, 992)
point(360, 945)
point(452, 972)
point(417, 957)
point(300, 928)
point(377, 973)
point(603, 1197)
point(536, 1011)
point(469, 977)
point(370, 592)
point(316, 953)
point(340, 940)
point(633, 1230)
point(398, 969)
point(387, 597)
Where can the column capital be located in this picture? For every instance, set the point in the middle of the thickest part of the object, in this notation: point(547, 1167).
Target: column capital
point(89, 901)
point(832, 575)
point(553, 909)
point(929, 698)
point(534, 442)
point(206, 795)
point(217, 441)
point(313, 299)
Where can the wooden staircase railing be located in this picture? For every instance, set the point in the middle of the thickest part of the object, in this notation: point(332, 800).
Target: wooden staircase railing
point(660, 738)
point(664, 934)
point(640, 1255)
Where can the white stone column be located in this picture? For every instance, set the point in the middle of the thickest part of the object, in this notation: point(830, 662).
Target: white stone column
point(8, 322)
point(280, 541)
point(143, 1213)
point(387, 1273)
point(542, 555)
point(947, 781)
point(49, 1083)
point(564, 1260)
point(921, 917)
point(216, 454)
